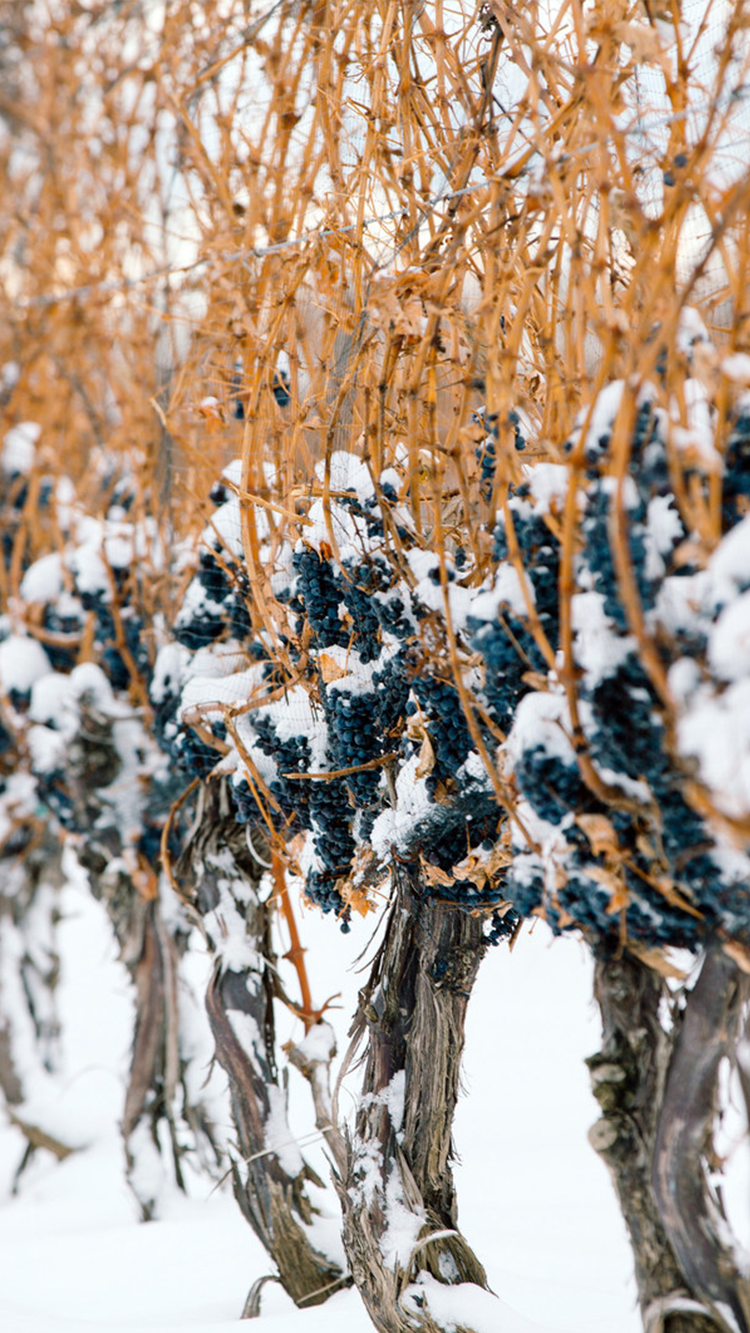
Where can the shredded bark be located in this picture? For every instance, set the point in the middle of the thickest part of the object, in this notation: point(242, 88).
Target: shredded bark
point(627, 1077)
point(412, 1013)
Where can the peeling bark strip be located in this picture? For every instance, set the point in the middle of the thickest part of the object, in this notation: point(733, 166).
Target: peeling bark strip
point(30, 879)
point(154, 1071)
point(269, 1182)
point(397, 1194)
point(147, 947)
point(627, 1078)
point(691, 1212)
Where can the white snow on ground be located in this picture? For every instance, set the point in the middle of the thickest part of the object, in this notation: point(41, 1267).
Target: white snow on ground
point(535, 1202)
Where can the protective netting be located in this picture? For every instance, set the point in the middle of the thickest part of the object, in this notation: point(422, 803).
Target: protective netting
point(295, 243)
point(376, 394)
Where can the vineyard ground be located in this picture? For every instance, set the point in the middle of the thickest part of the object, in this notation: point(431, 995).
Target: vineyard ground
point(535, 1201)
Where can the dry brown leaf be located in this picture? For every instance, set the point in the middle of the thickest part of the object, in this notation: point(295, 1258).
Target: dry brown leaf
point(434, 875)
point(480, 869)
point(357, 900)
point(739, 954)
point(415, 728)
point(535, 681)
point(656, 960)
point(601, 834)
point(690, 553)
point(426, 758)
point(367, 876)
point(474, 869)
point(444, 792)
point(330, 669)
point(394, 306)
point(614, 883)
point(643, 41)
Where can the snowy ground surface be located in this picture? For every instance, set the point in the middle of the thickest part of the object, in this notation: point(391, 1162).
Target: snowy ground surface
point(535, 1202)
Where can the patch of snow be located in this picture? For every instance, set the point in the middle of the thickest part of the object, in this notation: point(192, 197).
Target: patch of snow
point(147, 1175)
point(247, 1032)
point(690, 330)
point(463, 1305)
point(347, 473)
point(697, 435)
point(603, 414)
point(18, 453)
point(729, 565)
point(43, 581)
point(541, 719)
point(663, 530)
point(319, 1044)
point(395, 828)
point(278, 1136)
point(393, 1096)
point(548, 483)
point(716, 732)
point(23, 661)
point(169, 670)
point(404, 1224)
point(599, 651)
point(207, 695)
point(507, 591)
point(736, 368)
point(729, 641)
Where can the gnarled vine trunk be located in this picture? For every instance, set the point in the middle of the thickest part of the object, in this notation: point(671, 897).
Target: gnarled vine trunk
point(628, 1076)
point(690, 1209)
point(397, 1193)
point(224, 867)
point(30, 880)
point(128, 887)
point(657, 1090)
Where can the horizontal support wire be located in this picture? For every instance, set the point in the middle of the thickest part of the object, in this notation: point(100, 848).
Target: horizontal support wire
point(642, 125)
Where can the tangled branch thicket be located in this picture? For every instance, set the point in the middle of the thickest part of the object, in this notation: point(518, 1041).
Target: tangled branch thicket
point(377, 389)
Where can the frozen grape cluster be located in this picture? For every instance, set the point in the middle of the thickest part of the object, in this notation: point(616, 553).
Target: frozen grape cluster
point(622, 826)
point(538, 742)
point(76, 654)
point(362, 742)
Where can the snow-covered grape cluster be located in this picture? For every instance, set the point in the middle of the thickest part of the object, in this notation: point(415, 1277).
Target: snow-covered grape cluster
point(365, 747)
point(71, 642)
point(640, 847)
point(408, 705)
point(82, 776)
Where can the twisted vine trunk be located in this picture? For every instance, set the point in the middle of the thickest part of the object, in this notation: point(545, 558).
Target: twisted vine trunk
point(30, 882)
point(690, 1208)
point(397, 1192)
point(224, 867)
point(99, 786)
point(627, 1077)
point(657, 1093)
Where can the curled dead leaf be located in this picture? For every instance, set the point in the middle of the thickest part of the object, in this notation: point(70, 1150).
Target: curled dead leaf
point(393, 305)
point(644, 43)
point(434, 875)
point(657, 960)
point(330, 669)
point(600, 833)
point(426, 758)
point(739, 955)
point(481, 869)
point(613, 881)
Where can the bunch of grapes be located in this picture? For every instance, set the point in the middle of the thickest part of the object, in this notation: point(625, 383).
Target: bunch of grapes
point(319, 596)
point(604, 833)
point(623, 849)
point(355, 621)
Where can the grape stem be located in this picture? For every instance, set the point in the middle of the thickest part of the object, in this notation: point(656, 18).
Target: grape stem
point(295, 953)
